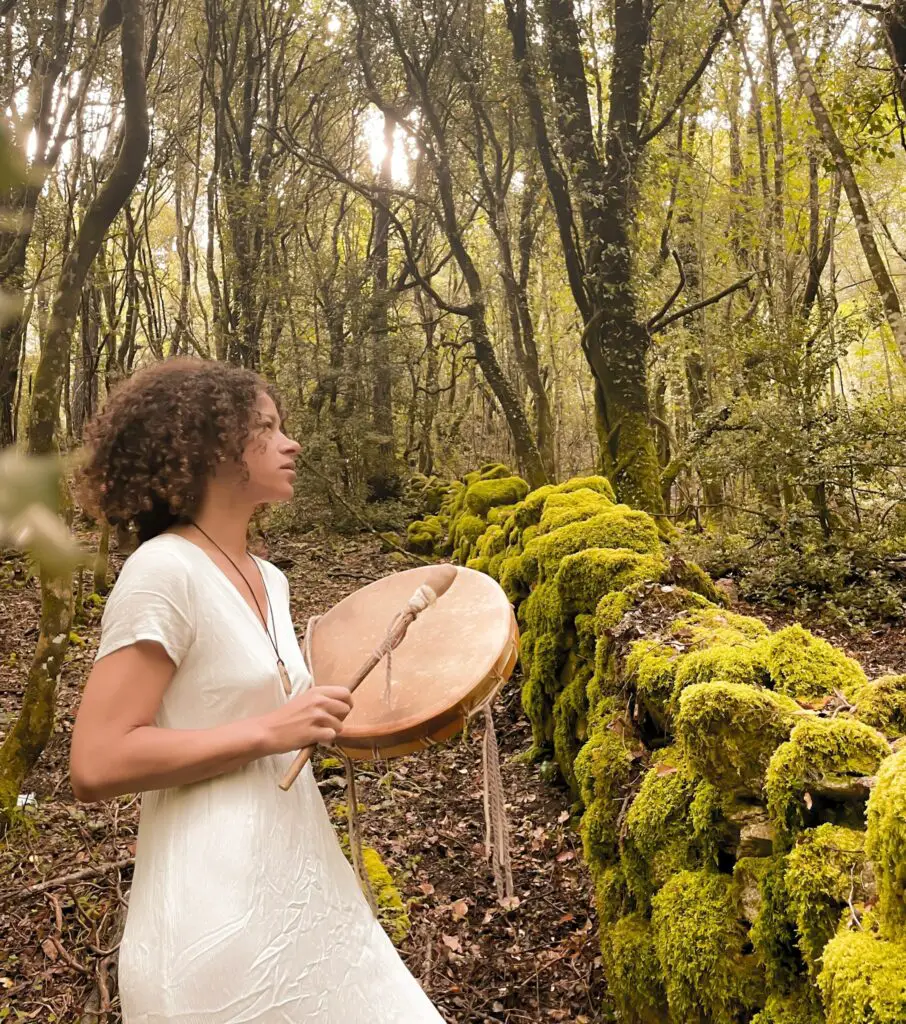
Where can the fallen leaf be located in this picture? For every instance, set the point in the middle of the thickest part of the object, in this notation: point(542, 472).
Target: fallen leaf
point(566, 855)
point(50, 950)
point(452, 942)
point(460, 908)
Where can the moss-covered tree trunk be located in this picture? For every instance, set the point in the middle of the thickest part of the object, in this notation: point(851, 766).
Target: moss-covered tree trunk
point(596, 205)
point(32, 729)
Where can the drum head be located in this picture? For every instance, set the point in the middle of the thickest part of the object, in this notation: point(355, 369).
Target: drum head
point(453, 655)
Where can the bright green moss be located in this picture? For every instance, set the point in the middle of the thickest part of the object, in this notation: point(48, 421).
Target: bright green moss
point(493, 471)
point(604, 768)
point(391, 908)
point(724, 663)
point(584, 578)
point(632, 970)
point(612, 900)
point(863, 980)
point(541, 687)
point(611, 609)
point(800, 1007)
point(465, 533)
point(542, 611)
point(658, 841)
point(509, 576)
point(618, 527)
point(728, 732)
point(700, 946)
point(773, 932)
point(571, 722)
point(650, 666)
point(705, 626)
point(826, 749)
point(563, 509)
point(824, 873)
point(590, 483)
point(483, 495)
point(805, 666)
point(501, 515)
point(887, 842)
point(882, 704)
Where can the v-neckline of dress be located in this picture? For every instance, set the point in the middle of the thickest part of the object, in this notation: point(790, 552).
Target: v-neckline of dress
point(235, 590)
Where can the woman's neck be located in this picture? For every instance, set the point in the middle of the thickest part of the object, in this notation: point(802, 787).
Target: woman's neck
point(226, 524)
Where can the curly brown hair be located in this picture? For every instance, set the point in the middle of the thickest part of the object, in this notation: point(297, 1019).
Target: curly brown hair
point(159, 438)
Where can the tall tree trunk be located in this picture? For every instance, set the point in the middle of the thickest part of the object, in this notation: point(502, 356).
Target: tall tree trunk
point(383, 477)
point(890, 300)
point(32, 729)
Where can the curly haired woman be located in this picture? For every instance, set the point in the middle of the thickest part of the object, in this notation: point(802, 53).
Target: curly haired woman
point(243, 908)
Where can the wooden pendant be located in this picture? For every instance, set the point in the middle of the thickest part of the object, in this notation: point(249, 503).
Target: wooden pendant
point(284, 678)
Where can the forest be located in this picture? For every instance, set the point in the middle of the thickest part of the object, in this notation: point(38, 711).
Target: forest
point(603, 299)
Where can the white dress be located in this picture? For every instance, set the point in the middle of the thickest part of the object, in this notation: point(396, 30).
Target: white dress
point(243, 908)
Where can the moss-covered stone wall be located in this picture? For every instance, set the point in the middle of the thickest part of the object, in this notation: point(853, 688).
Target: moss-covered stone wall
point(741, 793)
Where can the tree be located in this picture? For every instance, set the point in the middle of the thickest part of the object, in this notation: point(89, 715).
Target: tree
point(32, 729)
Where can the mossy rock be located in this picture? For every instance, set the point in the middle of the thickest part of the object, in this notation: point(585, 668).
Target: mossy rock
point(493, 471)
point(543, 611)
point(465, 533)
point(588, 483)
point(483, 495)
point(773, 933)
point(829, 751)
point(826, 870)
point(805, 666)
point(620, 527)
point(658, 839)
point(571, 507)
point(391, 909)
point(604, 769)
point(887, 842)
point(570, 714)
point(420, 539)
point(863, 979)
point(728, 732)
point(881, 704)
point(800, 1007)
point(585, 577)
point(701, 948)
point(633, 971)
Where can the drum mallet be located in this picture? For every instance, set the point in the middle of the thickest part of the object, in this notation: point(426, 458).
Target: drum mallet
point(437, 582)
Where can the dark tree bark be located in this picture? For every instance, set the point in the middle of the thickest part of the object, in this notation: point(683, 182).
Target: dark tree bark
point(32, 729)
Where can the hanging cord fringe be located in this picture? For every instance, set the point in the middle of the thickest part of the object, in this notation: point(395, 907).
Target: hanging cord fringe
point(497, 830)
point(355, 834)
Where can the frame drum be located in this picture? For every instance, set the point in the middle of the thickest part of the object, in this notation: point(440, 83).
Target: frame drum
point(453, 657)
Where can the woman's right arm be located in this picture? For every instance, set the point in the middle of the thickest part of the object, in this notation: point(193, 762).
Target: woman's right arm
point(117, 749)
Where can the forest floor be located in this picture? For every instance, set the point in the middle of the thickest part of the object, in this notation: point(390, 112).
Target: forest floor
point(478, 960)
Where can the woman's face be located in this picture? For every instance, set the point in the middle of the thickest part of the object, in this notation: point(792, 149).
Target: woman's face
point(269, 456)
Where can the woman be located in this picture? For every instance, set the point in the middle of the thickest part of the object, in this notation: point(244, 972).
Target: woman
point(243, 908)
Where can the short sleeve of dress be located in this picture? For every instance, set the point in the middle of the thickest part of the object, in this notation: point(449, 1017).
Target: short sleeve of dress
point(151, 600)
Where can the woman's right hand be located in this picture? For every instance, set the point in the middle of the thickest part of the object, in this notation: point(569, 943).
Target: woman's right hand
point(314, 716)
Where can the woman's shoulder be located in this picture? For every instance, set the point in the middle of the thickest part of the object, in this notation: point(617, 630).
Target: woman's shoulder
point(165, 558)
